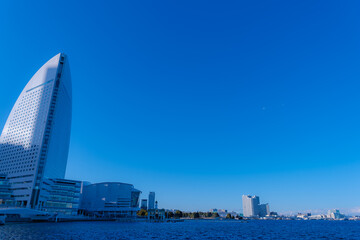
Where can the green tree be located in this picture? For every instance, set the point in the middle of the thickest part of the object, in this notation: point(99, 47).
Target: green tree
point(228, 216)
point(215, 215)
point(195, 215)
point(170, 214)
point(142, 213)
point(178, 214)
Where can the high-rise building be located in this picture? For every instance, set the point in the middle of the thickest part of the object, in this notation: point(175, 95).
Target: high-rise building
point(34, 143)
point(250, 205)
point(253, 208)
point(151, 202)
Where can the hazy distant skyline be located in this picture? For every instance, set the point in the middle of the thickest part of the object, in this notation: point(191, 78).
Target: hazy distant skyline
point(202, 102)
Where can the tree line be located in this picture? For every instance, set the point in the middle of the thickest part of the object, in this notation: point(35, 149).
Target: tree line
point(180, 214)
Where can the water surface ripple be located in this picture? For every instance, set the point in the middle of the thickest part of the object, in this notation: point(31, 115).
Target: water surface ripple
point(184, 230)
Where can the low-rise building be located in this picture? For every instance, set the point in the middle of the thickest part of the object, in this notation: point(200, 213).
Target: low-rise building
point(5, 192)
point(264, 210)
point(317, 217)
point(304, 216)
point(110, 200)
point(60, 196)
point(156, 215)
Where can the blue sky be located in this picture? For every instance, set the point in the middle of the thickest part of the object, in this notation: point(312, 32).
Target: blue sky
point(202, 101)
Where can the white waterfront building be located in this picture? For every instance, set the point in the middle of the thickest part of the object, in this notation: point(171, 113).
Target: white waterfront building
point(335, 214)
point(253, 208)
point(34, 143)
point(250, 204)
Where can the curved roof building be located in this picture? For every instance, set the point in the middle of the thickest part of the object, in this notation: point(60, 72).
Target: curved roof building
point(35, 140)
point(110, 199)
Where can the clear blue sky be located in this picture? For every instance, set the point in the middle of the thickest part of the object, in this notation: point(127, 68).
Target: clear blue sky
point(202, 102)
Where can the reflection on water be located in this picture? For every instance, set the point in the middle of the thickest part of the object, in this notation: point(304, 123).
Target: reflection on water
point(184, 230)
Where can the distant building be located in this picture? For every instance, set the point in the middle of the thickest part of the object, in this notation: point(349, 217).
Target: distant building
point(143, 204)
point(156, 215)
point(317, 217)
point(151, 202)
point(110, 200)
point(250, 205)
point(232, 213)
point(303, 215)
point(222, 212)
point(273, 214)
point(335, 214)
point(253, 208)
point(264, 210)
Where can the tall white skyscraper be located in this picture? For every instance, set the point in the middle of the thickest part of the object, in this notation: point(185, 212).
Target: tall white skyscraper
point(34, 143)
point(250, 205)
point(151, 202)
point(253, 208)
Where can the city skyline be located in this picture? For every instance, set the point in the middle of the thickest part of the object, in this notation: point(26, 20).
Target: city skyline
point(187, 99)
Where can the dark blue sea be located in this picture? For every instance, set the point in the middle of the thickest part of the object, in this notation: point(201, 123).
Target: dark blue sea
point(184, 230)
